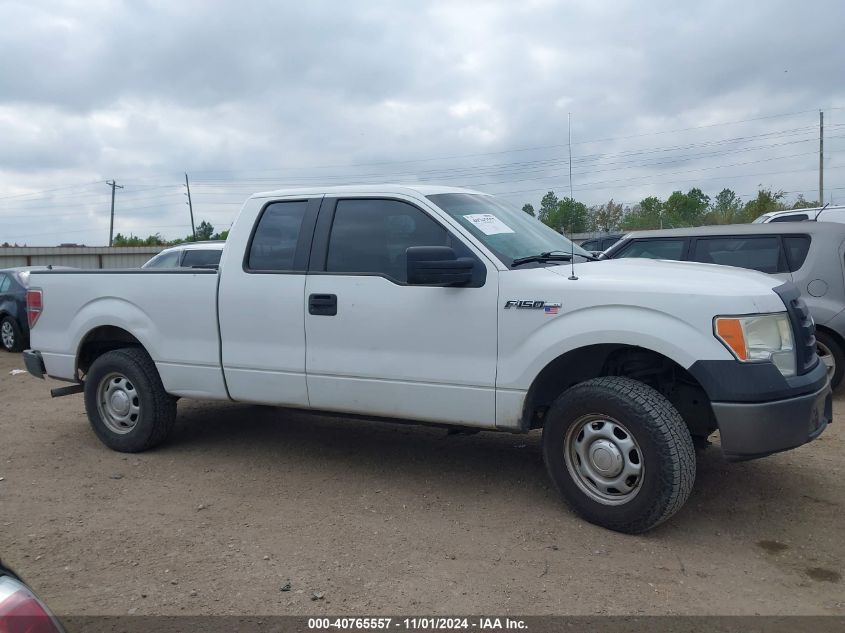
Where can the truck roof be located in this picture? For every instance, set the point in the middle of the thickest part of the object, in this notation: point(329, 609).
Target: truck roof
point(422, 189)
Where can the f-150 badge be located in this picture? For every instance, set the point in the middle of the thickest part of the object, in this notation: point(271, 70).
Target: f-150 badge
point(530, 304)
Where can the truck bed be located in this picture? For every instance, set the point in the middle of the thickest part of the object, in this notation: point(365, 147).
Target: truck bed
point(173, 313)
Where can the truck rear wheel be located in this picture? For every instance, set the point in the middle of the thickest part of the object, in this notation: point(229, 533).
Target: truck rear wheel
point(619, 453)
point(126, 403)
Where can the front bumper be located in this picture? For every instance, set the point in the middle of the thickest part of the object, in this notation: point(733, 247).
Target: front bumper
point(34, 363)
point(751, 430)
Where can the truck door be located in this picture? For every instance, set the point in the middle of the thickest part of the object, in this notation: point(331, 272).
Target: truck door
point(378, 346)
point(261, 307)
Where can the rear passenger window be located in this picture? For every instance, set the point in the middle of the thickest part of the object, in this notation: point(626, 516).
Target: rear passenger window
point(5, 283)
point(274, 242)
point(797, 247)
point(793, 217)
point(758, 253)
point(371, 236)
point(201, 257)
point(655, 249)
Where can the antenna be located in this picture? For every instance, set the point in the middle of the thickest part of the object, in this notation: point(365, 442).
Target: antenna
point(816, 219)
point(572, 276)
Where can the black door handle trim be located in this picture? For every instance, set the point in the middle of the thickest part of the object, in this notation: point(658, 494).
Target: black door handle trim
point(322, 305)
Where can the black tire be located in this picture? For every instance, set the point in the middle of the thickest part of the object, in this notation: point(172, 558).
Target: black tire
point(665, 450)
point(156, 408)
point(17, 342)
point(835, 348)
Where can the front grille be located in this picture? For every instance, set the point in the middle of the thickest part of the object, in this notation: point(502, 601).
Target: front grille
point(803, 327)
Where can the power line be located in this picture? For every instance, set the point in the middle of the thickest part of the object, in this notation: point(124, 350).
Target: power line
point(527, 149)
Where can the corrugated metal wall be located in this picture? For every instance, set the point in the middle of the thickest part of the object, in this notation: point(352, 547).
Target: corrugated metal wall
point(77, 256)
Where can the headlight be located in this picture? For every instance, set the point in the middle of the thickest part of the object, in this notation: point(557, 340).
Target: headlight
point(758, 338)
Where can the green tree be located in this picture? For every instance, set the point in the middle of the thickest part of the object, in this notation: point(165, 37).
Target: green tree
point(204, 231)
point(222, 235)
point(529, 209)
point(606, 217)
point(766, 201)
point(726, 209)
point(134, 240)
point(570, 216)
point(648, 214)
point(685, 209)
point(548, 205)
point(800, 203)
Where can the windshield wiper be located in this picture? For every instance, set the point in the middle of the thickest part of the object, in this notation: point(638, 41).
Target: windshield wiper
point(549, 256)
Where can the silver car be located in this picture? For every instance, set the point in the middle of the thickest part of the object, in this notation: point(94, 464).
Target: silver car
point(810, 254)
point(188, 255)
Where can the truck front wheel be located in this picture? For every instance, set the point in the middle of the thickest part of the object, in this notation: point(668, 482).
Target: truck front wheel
point(126, 403)
point(619, 453)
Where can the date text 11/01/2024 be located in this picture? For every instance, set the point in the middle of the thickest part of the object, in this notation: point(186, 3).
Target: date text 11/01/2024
point(417, 623)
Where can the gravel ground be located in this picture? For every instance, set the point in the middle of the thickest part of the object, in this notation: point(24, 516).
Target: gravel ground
point(255, 510)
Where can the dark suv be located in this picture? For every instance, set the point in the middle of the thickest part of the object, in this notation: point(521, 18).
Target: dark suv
point(14, 326)
point(810, 254)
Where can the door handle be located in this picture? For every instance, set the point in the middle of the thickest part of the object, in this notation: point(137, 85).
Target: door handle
point(322, 305)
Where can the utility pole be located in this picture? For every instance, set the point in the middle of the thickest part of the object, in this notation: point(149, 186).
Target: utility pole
point(821, 157)
point(190, 206)
point(113, 185)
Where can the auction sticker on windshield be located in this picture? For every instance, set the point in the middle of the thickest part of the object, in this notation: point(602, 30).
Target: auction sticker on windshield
point(488, 223)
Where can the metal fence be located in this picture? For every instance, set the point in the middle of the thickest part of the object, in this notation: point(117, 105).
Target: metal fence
point(77, 256)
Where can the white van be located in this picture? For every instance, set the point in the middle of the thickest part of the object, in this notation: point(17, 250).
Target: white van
point(820, 214)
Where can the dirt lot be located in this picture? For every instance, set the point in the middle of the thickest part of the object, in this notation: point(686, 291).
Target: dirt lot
point(394, 519)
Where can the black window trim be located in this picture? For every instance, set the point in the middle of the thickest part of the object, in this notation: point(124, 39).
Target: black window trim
point(304, 242)
point(319, 251)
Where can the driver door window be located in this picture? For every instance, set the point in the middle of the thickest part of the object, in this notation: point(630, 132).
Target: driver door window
point(370, 237)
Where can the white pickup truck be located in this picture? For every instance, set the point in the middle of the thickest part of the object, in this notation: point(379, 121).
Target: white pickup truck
point(448, 306)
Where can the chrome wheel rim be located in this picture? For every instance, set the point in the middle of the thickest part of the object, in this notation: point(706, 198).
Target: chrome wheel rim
point(118, 403)
point(826, 357)
point(7, 334)
point(603, 459)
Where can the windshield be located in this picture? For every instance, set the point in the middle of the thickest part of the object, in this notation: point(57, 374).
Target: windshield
point(504, 229)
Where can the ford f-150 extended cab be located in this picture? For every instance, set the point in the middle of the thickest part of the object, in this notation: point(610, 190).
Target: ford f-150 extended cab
point(447, 306)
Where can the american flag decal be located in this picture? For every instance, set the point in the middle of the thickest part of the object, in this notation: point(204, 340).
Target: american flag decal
point(551, 308)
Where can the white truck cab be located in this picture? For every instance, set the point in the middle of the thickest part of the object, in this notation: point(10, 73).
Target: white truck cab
point(448, 306)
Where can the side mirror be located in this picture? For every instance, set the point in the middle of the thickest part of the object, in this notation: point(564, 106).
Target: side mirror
point(437, 266)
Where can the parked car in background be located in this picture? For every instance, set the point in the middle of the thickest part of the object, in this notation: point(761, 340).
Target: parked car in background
point(21, 611)
point(602, 243)
point(817, 214)
point(188, 255)
point(14, 327)
point(810, 254)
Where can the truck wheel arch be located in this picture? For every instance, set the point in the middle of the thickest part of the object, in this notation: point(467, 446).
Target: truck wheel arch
point(100, 340)
point(612, 359)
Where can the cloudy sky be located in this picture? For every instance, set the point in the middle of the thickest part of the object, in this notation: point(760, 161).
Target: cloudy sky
point(251, 96)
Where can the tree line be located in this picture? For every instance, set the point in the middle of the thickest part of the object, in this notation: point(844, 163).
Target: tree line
point(680, 209)
point(205, 231)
